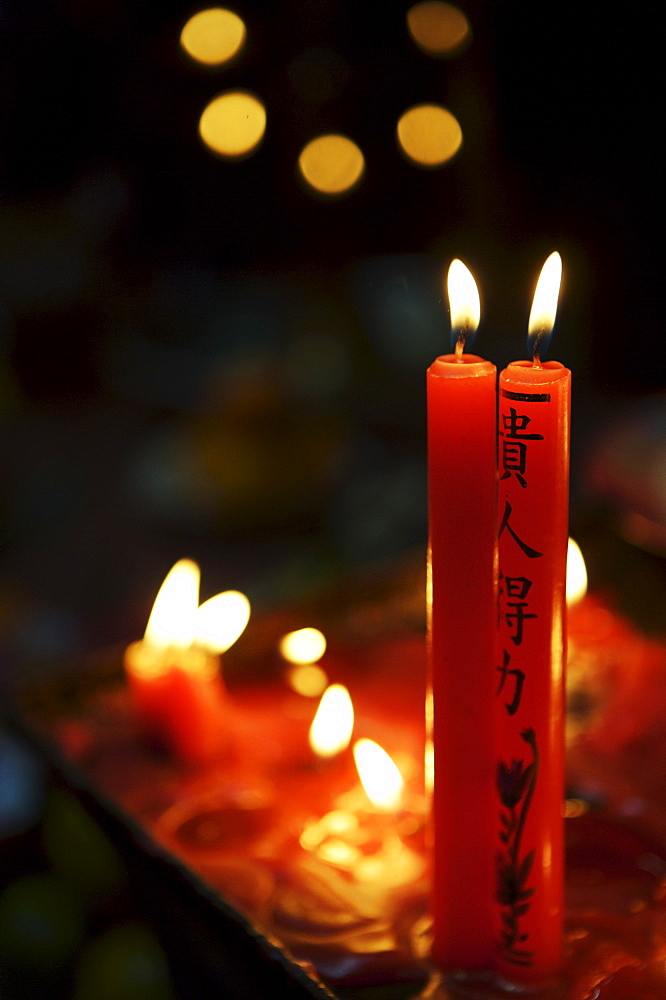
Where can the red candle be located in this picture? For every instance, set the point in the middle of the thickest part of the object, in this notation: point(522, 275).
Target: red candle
point(534, 403)
point(461, 391)
point(180, 699)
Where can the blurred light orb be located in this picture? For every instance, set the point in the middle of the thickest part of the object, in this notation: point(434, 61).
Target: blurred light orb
point(233, 124)
point(308, 679)
point(331, 164)
point(213, 36)
point(429, 135)
point(305, 645)
point(438, 28)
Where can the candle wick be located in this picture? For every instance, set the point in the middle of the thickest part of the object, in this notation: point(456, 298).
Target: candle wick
point(460, 342)
point(536, 346)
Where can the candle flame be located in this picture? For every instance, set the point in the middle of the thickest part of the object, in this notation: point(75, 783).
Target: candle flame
point(171, 621)
point(381, 779)
point(464, 303)
point(177, 619)
point(576, 574)
point(332, 726)
point(544, 304)
point(221, 620)
point(305, 645)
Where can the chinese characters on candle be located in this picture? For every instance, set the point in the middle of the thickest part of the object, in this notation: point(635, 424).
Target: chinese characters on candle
point(532, 540)
point(498, 511)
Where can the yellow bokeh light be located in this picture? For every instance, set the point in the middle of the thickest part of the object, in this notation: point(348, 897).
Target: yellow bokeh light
point(440, 29)
point(213, 36)
point(305, 645)
point(233, 124)
point(429, 135)
point(331, 164)
point(308, 679)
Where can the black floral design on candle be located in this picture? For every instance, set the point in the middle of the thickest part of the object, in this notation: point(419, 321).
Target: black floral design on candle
point(515, 784)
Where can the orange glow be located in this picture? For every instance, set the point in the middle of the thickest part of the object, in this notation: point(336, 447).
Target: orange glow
point(576, 574)
point(171, 621)
point(381, 779)
point(220, 620)
point(213, 36)
point(305, 645)
point(429, 135)
point(464, 301)
point(544, 304)
point(233, 124)
point(331, 164)
point(332, 726)
point(440, 29)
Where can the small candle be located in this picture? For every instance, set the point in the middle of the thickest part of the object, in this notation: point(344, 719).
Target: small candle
point(361, 835)
point(534, 403)
point(461, 390)
point(173, 673)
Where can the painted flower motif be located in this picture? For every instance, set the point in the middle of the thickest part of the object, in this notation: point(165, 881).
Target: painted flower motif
point(512, 781)
point(515, 783)
point(511, 889)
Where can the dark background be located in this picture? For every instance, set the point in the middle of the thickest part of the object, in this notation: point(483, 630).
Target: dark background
point(199, 358)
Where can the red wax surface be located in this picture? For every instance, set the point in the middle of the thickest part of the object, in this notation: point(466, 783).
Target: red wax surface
point(534, 403)
point(462, 617)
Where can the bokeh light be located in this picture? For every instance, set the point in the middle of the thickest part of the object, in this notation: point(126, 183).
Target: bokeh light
point(213, 36)
point(438, 28)
point(331, 164)
point(308, 679)
point(305, 645)
point(233, 124)
point(429, 135)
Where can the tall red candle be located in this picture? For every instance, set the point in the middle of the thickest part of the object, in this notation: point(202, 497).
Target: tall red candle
point(534, 403)
point(461, 395)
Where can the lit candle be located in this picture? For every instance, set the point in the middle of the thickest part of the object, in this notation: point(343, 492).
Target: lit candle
point(173, 673)
point(361, 835)
point(461, 390)
point(534, 403)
